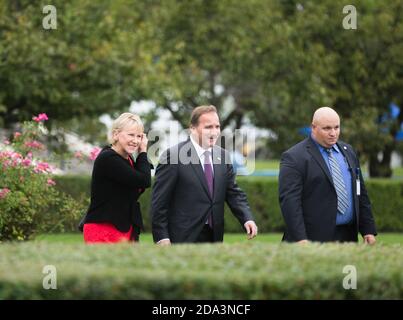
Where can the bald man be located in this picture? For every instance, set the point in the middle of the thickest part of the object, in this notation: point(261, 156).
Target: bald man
point(321, 190)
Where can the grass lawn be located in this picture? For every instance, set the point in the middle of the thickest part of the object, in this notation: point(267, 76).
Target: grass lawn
point(398, 172)
point(383, 238)
point(267, 164)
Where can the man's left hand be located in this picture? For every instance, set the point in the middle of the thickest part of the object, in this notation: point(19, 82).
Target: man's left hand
point(251, 229)
point(369, 239)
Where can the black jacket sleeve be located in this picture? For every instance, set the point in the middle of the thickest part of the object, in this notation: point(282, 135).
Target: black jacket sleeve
point(366, 223)
point(290, 196)
point(164, 185)
point(236, 198)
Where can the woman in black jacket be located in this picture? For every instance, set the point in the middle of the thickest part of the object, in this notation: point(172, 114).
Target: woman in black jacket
point(117, 182)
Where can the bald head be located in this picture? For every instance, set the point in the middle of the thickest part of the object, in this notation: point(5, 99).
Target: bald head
point(326, 126)
point(324, 113)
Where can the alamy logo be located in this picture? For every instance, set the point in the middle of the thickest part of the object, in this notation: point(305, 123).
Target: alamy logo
point(350, 280)
point(50, 278)
point(50, 20)
point(350, 20)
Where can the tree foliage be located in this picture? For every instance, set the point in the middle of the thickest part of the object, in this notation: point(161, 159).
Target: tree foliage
point(274, 62)
point(82, 69)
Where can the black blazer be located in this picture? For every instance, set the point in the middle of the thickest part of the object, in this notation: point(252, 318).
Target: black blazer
point(308, 198)
point(181, 201)
point(115, 189)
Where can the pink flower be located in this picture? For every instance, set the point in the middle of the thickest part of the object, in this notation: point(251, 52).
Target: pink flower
point(94, 153)
point(34, 144)
point(17, 134)
point(40, 117)
point(6, 155)
point(26, 162)
point(51, 182)
point(42, 167)
point(7, 142)
point(16, 155)
point(4, 192)
point(6, 163)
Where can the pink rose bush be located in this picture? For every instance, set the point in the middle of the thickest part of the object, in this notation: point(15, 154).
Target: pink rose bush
point(4, 192)
point(94, 153)
point(40, 117)
point(28, 197)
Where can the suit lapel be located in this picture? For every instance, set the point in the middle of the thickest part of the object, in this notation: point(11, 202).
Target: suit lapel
point(314, 151)
point(347, 155)
point(218, 168)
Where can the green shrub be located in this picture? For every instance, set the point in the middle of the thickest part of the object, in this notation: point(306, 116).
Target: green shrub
point(387, 204)
point(29, 203)
point(221, 271)
point(386, 197)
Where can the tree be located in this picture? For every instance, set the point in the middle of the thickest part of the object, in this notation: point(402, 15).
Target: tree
point(366, 73)
point(205, 53)
point(84, 68)
point(249, 53)
point(359, 72)
point(275, 61)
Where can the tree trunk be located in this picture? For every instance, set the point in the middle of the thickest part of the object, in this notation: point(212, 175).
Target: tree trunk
point(381, 168)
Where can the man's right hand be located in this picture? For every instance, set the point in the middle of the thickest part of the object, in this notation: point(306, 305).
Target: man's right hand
point(165, 242)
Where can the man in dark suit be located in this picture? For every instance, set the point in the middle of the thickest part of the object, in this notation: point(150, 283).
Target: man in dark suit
point(321, 190)
point(192, 181)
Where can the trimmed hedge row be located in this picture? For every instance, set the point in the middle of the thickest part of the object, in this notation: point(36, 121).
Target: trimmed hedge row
point(237, 271)
point(386, 197)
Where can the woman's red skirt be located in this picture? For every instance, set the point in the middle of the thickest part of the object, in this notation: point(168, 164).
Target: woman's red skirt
point(105, 233)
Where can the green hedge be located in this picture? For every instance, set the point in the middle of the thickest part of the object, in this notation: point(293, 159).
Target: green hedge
point(222, 271)
point(386, 197)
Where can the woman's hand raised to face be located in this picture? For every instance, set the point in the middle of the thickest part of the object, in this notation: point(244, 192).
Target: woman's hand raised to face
point(143, 143)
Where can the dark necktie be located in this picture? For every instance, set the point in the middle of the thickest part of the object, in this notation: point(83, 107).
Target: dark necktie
point(342, 198)
point(208, 173)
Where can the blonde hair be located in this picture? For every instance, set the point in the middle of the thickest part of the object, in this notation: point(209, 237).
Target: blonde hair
point(126, 119)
